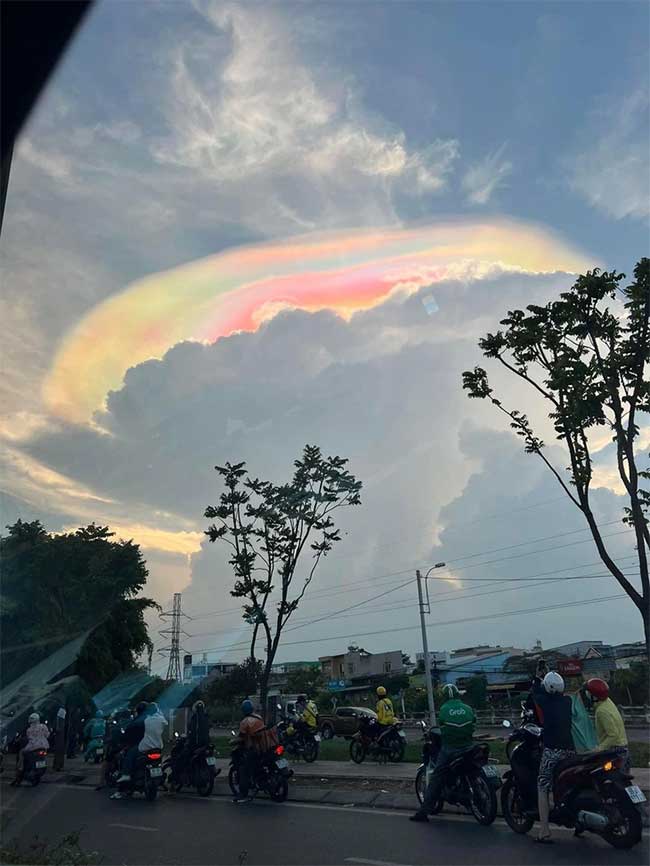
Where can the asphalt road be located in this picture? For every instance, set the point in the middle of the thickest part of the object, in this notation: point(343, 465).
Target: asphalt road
point(185, 829)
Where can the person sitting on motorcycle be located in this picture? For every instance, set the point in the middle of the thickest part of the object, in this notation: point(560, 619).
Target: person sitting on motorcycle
point(198, 737)
point(112, 745)
point(38, 738)
point(385, 711)
point(306, 715)
point(131, 738)
point(610, 729)
point(250, 728)
point(457, 721)
point(557, 710)
point(94, 734)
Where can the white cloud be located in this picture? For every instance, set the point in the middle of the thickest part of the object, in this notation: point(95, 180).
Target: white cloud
point(263, 115)
point(612, 172)
point(483, 178)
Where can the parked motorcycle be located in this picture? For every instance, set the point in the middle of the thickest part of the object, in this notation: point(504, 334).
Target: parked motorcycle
point(33, 767)
point(271, 773)
point(198, 770)
point(299, 743)
point(470, 781)
point(383, 744)
point(147, 776)
point(590, 791)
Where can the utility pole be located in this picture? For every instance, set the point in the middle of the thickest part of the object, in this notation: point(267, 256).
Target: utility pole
point(174, 631)
point(426, 608)
point(425, 649)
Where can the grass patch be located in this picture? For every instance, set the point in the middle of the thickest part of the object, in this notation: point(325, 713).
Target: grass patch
point(66, 852)
point(339, 750)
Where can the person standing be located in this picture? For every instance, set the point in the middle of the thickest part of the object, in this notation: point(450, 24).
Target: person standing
point(557, 739)
point(457, 722)
point(250, 729)
point(610, 729)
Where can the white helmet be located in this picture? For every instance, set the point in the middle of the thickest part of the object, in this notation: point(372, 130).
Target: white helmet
point(34, 718)
point(553, 683)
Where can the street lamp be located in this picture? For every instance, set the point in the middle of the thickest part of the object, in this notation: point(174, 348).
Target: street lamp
point(425, 644)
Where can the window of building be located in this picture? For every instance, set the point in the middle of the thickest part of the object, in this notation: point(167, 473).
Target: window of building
point(387, 667)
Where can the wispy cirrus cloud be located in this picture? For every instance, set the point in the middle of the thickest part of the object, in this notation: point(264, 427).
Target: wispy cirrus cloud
point(484, 177)
point(613, 172)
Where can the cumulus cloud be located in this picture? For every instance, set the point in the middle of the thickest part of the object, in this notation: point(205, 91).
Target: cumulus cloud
point(613, 171)
point(484, 177)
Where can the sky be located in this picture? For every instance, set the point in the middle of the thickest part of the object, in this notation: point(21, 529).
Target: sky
point(234, 229)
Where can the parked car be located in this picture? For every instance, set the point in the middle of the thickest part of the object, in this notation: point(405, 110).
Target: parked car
point(343, 722)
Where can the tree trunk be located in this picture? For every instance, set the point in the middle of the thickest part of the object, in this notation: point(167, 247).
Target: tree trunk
point(645, 613)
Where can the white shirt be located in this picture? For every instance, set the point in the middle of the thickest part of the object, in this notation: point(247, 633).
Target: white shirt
point(153, 731)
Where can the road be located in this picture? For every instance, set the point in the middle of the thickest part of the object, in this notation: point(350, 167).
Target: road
point(189, 830)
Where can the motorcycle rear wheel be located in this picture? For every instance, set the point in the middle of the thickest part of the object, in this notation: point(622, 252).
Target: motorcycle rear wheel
point(278, 788)
point(204, 783)
point(151, 791)
point(310, 751)
point(628, 834)
point(483, 800)
point(513, 811)
point(396, 751)
point(357, 751)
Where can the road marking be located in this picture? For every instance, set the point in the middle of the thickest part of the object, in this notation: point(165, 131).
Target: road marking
point(371, 862)
point(135, 827)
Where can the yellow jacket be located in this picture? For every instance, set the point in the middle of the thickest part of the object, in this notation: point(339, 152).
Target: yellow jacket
point(310, 714)
point(610, 729)
point(385, 712)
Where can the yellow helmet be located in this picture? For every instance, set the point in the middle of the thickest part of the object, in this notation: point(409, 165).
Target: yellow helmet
point(381, 692)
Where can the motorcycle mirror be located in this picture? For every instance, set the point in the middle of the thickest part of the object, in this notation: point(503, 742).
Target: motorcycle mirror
point(279, 706)
point(175, 733)
point(233, 733)
point(423, 725)
point(506, 723)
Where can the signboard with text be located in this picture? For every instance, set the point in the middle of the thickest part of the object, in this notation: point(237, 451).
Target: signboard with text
point(569, 667)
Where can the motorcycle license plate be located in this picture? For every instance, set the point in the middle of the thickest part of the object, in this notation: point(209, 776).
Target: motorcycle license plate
point(317, 737)
point(282, 763)
point(155, 771)
point(635, 794)
point(211, 762)
point(41, 765)
point(402, 734)
point(492, 772)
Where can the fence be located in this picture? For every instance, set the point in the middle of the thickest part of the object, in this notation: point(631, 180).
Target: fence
point(632, 716)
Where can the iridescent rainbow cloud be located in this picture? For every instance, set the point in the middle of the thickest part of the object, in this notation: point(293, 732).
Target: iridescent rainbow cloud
point(239, 289)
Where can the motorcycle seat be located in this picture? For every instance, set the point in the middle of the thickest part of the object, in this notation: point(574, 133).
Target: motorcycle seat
point(584, 758)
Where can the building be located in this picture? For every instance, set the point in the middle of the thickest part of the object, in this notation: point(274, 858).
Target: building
point(577, 650)
point(436, 657)
point(483, 650)
point(196, 670)
point(333, 667)
point(356, 669)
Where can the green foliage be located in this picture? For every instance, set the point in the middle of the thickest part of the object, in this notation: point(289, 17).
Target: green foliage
point(67, 852)
point(241, 682)
point(268, 528)
point(308, 680)
point(476, 692)
point(56, 587)
point(589, 366)
point(630, 687)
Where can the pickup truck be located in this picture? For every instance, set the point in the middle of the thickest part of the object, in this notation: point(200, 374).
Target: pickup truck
point(343, 722)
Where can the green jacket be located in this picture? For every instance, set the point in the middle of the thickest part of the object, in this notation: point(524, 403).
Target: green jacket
point(610, 729)
point(457, 721)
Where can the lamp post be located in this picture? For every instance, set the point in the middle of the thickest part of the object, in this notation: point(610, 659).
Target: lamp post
point(426, 608)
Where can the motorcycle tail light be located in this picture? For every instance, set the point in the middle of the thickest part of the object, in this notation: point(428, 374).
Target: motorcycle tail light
point(42, 754)
point(608, 766)
point(154, 756)
point(279, 750)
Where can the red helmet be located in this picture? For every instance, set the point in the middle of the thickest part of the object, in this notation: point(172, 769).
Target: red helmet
point(598, 688)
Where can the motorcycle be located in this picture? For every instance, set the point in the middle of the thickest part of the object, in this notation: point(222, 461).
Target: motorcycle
point(469, 780)
point(147, 776)
point(271, 773)
point(387, 745)
point(95, 752)
point(197, 770)
point(299, 743)
point(33, 767)
point(591, 792)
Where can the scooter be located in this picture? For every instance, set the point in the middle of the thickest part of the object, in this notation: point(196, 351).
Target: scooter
point(470, 781)
point(33, 767)
point(198, 772)
point(95, 751)
point(591, 792)
point(146, 778)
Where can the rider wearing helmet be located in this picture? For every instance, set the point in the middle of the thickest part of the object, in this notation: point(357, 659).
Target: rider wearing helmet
point(557, 710)
point(307, 713)
point(38, 738)
point(133, 734)
point(250, 729)
point(610, 729)
point(384, 708)
point(198, 731)
point(457, 721)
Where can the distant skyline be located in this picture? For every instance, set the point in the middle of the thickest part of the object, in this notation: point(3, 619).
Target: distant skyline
point(234, 229)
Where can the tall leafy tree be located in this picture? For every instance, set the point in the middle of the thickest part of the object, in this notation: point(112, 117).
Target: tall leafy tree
point(270, 527)
point(56, 587)
point(589, 365)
